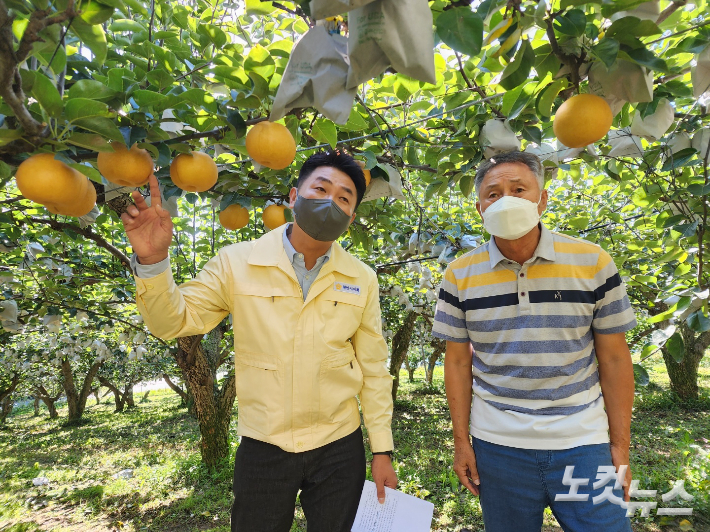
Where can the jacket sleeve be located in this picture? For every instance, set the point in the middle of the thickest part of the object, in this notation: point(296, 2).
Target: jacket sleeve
point(195, 307)
point(376, 394)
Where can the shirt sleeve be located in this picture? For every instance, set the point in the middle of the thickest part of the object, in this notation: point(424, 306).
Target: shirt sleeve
point(450, 317)
point(612, 310)
point(149, 270)
point(371, 354)
point(196, 307)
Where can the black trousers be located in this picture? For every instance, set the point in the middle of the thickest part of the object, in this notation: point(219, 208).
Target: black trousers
point(267, 480)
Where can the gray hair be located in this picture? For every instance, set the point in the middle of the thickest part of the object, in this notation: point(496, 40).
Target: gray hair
point(530, 160)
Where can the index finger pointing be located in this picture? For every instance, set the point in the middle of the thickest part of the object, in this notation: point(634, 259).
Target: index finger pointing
point(155, 199)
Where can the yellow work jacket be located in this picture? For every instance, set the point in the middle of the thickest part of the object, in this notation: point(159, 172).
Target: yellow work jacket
point(299, 365)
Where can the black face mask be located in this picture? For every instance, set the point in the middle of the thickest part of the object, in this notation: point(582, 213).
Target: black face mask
point(321, 219)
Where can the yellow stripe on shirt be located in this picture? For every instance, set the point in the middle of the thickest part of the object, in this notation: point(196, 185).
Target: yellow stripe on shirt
point(487, 279)
point(569, 271)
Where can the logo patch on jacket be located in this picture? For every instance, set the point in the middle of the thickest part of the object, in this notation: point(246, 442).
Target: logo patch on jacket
point(347, 288)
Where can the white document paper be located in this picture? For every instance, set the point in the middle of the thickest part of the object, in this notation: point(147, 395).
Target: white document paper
point(399, 513)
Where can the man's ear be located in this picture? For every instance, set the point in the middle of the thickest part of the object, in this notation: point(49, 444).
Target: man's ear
point(543, 202)
point(478, 208)
point(292, 195)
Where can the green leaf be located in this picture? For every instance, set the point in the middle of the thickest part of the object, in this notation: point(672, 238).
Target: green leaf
point(9, 135)
point(355, 122)
point(432, 188)
point(94, 37)
point(89, 141)
point(260, 62)
point(548, 95)
point(546, 61)
point(678, 160)
point(681, 270)
point(515, 101)
point(579, 222)
point(160, 78)
point(676, 347)
point(698, 321)
point(518, 70)
point(461, 29)
point(103, 126)
point(213, 33)
point(45, 92)
point(93, 12)
point(324, 131)
point(607, 51)
point(257, 7)
point(237, 122)
point(92, 89)
point(564, 4)
point(146, 98)
point(571, 23)
point(647, 58)
point(83, 108)
point(632, 26)
point(641, 375)
point(123, 24)
point(466, 185)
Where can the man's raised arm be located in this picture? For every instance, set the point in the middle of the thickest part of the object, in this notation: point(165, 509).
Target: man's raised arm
point(197, 306)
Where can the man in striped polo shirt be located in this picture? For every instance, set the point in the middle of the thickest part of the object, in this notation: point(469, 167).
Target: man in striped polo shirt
point(537, 367)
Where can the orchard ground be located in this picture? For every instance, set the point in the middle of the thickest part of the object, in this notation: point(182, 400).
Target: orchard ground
point(170, 490)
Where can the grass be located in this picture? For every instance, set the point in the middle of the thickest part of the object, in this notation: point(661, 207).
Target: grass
point(170, 490)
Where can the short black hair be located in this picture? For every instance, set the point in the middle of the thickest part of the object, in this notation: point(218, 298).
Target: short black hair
point(340, 161)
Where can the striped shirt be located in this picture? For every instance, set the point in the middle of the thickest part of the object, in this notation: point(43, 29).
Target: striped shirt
point(536, 383)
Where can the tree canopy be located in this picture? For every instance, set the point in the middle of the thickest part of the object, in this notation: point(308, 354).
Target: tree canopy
point(175, 76)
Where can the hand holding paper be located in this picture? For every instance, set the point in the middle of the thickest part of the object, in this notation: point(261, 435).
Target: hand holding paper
point(399, 512)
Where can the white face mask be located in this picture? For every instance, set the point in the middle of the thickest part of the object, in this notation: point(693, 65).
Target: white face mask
point(511, 217)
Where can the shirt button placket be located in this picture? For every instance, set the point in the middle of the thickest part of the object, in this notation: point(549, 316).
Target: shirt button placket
point(523, 293)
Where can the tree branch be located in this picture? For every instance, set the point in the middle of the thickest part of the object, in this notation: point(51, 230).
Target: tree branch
point(87, 233)
point(475, 86)
point(571, 61)
point(10, 80)
point(667, 12)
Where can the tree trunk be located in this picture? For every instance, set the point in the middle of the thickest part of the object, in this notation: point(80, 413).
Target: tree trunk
point(5, 408)
point(76, 399)
point(4, 392)
point(49, 400)
point(438, 347)
point(35, 405)
point(411, 368)
point(684, 375)
point(400, 345)
point(118, 398)
point(213, 407)
point(174, 387)
point(128, 396)
point(186, 398)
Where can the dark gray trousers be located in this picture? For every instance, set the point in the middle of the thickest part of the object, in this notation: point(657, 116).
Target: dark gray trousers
point(267, 480)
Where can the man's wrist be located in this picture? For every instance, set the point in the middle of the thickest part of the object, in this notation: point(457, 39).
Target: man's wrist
point(151, 259)
point(386, 453)
point(462, 441)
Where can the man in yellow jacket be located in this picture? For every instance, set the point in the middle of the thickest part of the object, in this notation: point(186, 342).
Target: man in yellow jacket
point(307, 341)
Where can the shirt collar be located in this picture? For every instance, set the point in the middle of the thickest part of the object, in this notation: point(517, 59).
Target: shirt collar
point(291, 251)
point(545, 248)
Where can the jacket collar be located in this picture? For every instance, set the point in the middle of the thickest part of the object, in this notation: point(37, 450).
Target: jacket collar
point(269, 251)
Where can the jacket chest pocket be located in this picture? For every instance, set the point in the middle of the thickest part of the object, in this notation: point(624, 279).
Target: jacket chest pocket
point(340, 315)
point(260, 391)
point(340, 381)
point(262, 313)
